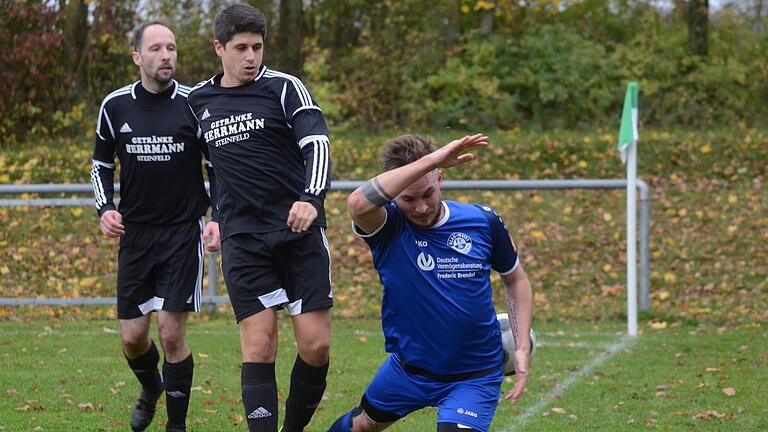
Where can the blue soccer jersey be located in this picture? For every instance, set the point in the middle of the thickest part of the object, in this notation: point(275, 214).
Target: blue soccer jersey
point(437, 309)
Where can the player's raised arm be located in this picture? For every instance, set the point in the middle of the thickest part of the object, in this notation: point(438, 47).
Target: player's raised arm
point(366, 203)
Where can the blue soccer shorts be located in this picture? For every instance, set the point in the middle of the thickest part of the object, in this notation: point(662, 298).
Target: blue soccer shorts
point(470, 402)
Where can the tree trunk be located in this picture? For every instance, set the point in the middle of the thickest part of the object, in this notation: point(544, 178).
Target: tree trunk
point(757, 21)
point(77, 35)
point(486, 21)
point(453, 22)
point(288, 42)
point(698, 20)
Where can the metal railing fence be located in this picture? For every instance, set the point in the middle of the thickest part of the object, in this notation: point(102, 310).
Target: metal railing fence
point(213, 296)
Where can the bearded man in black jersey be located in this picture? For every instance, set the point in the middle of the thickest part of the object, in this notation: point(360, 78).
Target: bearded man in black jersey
point(149, 127)
point(269, 147)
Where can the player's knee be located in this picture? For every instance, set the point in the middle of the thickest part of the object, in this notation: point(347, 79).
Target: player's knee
point(171, 342)
point(133, 342)
point(363, 423)
point(259, 350)
point(315, 352)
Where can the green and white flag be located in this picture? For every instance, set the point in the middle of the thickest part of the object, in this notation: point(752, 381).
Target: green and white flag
point(628, 132)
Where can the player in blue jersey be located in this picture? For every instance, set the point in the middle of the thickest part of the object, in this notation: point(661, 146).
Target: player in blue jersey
point(434, 259)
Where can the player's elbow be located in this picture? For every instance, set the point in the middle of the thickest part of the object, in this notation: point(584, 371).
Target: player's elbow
point(357, 204)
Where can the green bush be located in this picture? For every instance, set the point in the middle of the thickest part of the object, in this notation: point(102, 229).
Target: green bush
point(552, 76)
point(680, 89)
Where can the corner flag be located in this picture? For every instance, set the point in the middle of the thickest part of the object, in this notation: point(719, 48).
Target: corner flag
point(628, 132)
point(628, 137)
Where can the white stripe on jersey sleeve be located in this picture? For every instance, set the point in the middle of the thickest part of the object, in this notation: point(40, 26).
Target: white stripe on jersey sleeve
point(319, 165)
point(119, 92)
point(282, 99)
point(323, 170)
point(133, 90)
point(104, 164)
point(301, 89)
point(304, 141)
point(98, 187)
point(183, 89)
point(109, 124)
point(313, 107)
point(517, 263)
point(200, 84)
point(315, 168)
point(199, 131)
point(175, 89)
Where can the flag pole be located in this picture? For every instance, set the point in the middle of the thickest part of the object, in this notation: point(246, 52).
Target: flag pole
point(628, 137)
point(632, 239)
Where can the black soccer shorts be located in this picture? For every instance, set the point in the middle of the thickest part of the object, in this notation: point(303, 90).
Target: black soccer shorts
point(160, 268)
point(277, 269)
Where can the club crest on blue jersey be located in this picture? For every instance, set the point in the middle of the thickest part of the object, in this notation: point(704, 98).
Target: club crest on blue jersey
point(460, 242)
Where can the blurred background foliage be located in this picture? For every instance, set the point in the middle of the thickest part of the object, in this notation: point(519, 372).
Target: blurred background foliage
point(429, 65)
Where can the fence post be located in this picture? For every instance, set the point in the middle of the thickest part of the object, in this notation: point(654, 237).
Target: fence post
point(645, 222)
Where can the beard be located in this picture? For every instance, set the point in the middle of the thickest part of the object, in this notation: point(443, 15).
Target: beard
point(162, 79)
point(428, 220)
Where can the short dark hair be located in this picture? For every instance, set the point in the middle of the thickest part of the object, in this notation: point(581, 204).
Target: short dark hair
point(238, 18)
point(138, 35)
point(405, 149)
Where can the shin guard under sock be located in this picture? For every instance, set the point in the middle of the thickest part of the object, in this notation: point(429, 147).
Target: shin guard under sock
point(178, 384)
point(145, 369)
point(306, 392)
point(257, 381)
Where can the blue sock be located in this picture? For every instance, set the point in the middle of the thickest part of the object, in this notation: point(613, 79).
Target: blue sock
point(344, 423)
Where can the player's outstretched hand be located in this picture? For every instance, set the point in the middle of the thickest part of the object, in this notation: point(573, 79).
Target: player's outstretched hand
point(521, 376)
point(453, 153)
point(301, 216)
point(211, 237)
point(111, 223)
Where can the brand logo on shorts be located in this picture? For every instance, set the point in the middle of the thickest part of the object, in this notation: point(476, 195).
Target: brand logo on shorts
point(462, 411)
point(460, 242)
point(175, 394)
point(259, 412)
point(425, 261)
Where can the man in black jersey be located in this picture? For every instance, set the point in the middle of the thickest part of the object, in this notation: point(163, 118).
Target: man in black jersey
point(269, 147)
point(150, 128)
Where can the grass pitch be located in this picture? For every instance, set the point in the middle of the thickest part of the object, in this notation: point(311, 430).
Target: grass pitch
point(70, 376)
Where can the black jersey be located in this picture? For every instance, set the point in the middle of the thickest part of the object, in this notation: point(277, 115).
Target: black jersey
point(269, 146)
point(159, 144)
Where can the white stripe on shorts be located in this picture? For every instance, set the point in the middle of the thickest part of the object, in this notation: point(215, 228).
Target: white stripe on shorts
point(275, 298)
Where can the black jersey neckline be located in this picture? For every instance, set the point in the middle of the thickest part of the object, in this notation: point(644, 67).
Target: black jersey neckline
point(216, 81)
point(153, 101)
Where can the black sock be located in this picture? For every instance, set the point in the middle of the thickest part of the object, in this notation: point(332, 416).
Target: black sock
point(257, 381)
point(145, 368)
point(178, 382)
point(307, 387)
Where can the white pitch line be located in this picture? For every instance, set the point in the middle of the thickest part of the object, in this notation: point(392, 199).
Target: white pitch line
point(561, 388)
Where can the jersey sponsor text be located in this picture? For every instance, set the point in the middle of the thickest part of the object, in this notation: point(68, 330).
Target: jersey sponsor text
point(232, 129)
point(154, 152)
